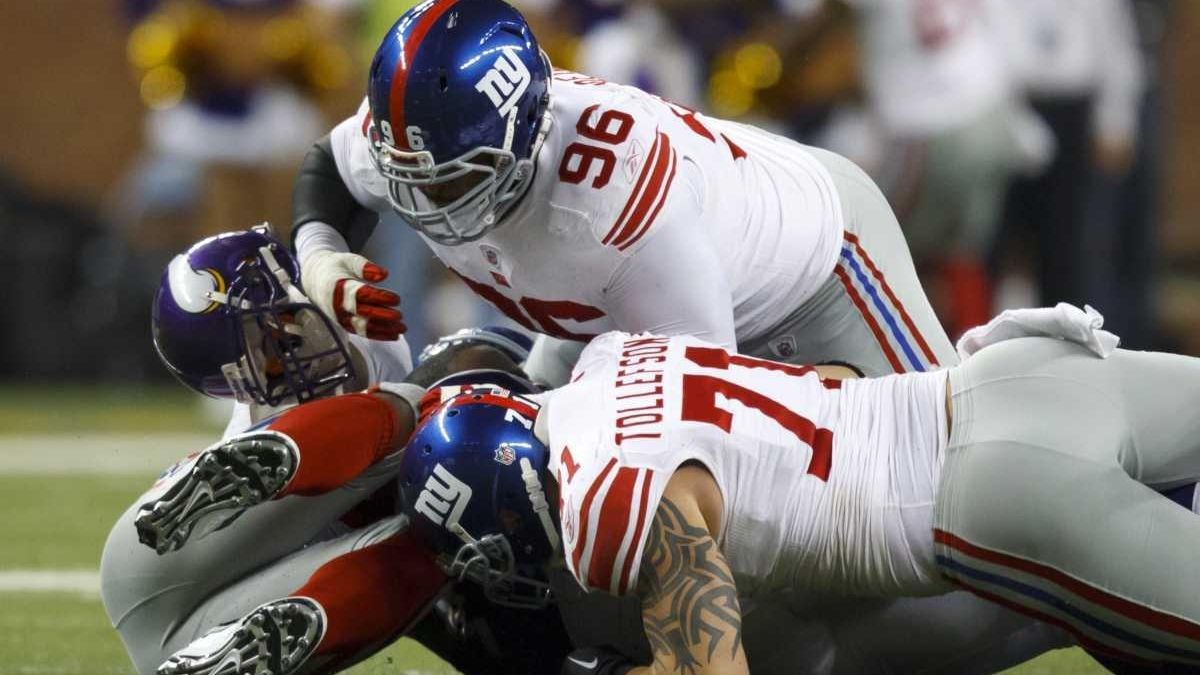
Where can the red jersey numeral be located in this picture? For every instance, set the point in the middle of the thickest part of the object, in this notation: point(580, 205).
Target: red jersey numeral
point(690, 119)
point(612, 127)
point(546, 313)
point(700, 404)
point(576, 172)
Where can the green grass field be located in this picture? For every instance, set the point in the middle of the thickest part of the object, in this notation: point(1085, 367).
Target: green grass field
point(62, 485)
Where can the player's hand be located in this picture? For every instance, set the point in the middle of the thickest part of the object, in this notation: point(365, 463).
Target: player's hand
point(596, 661)
point(339, 284)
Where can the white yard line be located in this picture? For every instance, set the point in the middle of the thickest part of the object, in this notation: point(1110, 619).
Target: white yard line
point(94, 453)
point(83, 582)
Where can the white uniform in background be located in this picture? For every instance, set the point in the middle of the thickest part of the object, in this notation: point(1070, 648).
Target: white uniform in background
point(937, 80)
point(1074, 48)
point(161, 603)
point(931, 65)
point(644, 215)
point(641, 46)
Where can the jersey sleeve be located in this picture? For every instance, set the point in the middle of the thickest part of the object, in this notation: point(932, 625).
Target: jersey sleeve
point(613, 160)
point(351, 151)
point(673, 282)
point(608, 510)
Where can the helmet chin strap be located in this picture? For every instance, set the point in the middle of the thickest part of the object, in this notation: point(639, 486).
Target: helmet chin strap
point(533, 486)
point(281, 275)
point(543, 131)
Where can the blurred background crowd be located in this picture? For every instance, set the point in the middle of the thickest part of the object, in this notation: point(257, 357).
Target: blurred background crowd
point(1035, 151)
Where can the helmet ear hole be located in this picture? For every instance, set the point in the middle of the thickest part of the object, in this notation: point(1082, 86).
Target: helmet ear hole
point(451, 413)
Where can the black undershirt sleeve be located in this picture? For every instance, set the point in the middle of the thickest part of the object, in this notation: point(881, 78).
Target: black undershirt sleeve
point(320, 195)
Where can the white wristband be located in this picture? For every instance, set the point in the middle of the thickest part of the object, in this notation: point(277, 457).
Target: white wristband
point(316, 236)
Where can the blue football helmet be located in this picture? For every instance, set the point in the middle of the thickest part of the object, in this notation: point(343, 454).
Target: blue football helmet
point(230, 321)
point(472, 481)
point(459, 93)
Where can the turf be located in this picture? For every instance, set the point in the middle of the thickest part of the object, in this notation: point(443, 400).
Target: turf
point(57, 409)
point(65, 634)
point(60, 522)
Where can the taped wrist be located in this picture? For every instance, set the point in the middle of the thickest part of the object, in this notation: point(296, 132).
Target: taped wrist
point(319, 236)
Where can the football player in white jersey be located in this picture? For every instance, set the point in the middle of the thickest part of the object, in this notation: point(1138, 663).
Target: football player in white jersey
point(578, 206)
point(690, 475)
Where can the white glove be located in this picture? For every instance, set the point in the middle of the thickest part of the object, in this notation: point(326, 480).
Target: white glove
point(338, 283)
point(1063, 321)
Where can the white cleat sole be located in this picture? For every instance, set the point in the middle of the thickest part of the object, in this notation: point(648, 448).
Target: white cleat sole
point(225, 480)
point(275, 639)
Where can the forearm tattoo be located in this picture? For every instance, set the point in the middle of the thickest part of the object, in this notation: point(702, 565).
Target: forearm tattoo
point(689, 600)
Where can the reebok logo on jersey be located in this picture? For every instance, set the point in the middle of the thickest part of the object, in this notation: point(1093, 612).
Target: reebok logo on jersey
point(444, 498)
point(506, 82)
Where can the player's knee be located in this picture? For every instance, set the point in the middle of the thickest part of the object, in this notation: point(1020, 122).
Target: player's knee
point(350, 420)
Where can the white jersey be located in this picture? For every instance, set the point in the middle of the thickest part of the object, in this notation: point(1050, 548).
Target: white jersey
point(384, 362)
point(931, 65)
point(643, 216)
point(827, 485)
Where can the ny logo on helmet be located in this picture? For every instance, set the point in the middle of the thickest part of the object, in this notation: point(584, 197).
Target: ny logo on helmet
point(444, 498)
point(506, 82)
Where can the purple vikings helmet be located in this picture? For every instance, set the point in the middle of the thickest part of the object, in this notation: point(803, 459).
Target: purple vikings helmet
point(472, 480)
point(230, 320)
point(459, 94)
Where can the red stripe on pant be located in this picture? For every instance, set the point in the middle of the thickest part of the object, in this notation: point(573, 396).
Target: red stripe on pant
point(880, 337)
point(374, 594)
point(338, 439)
point(887, 290)
point(1097, 596)
point(1083, 640)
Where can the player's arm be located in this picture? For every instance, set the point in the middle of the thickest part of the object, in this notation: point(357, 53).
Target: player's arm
point(689, 602)
point(329, 221)
point(673, 282)
point(321, 198)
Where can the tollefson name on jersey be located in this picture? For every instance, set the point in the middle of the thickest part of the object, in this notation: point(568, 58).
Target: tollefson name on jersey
point(639, 390)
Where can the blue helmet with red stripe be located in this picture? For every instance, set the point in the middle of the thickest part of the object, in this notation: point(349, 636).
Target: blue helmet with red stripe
point(473, 483)
point(459, 93)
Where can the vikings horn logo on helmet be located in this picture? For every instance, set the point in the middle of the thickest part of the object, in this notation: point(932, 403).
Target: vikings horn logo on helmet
point(195, 291)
